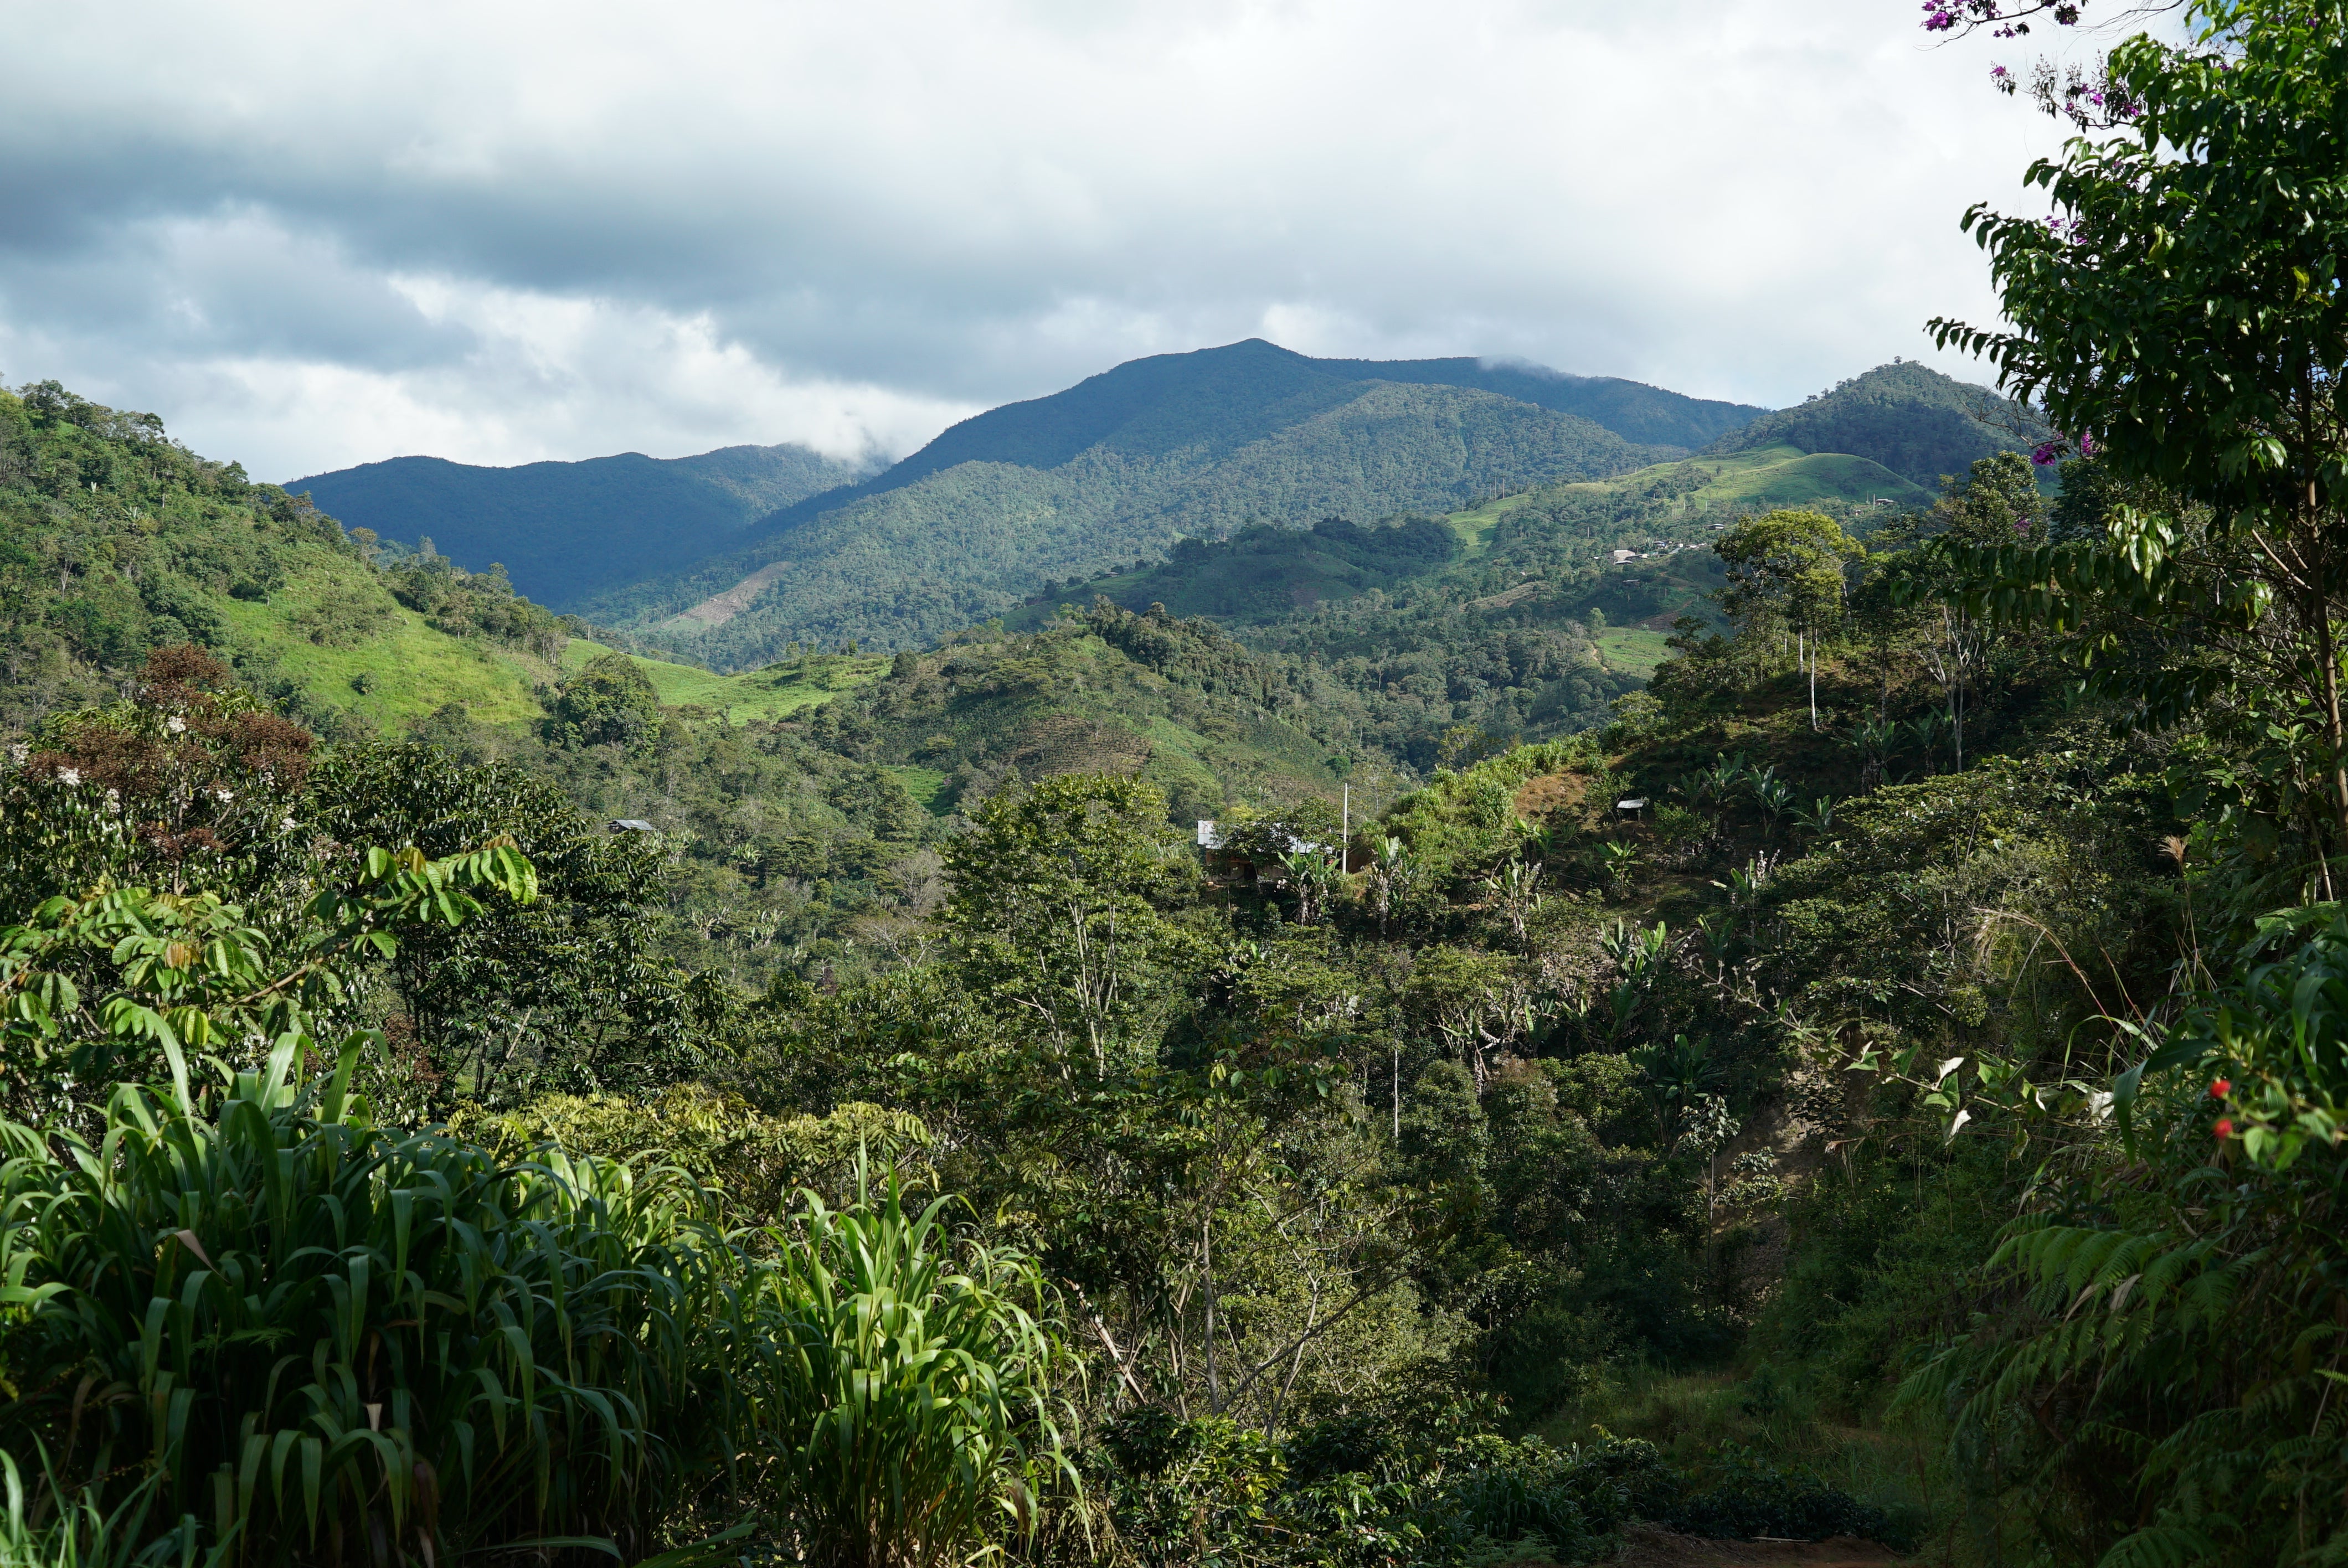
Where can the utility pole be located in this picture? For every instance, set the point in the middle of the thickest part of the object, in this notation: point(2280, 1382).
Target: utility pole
point(1346, 823)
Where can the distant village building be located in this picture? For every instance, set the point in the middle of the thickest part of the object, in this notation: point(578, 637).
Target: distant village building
point(630, 825)
point(1619, 557)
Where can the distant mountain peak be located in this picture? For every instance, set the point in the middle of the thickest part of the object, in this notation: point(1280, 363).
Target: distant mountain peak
point(1310, 437)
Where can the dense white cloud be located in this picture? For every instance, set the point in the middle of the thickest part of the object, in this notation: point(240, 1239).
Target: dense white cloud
point(312, 236)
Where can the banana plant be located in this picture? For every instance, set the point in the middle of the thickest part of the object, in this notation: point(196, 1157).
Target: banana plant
point(1924, 732)
point(1393, 874)
point(1641, 954)
point(1773, 796)
point(1874, 740)
point(1515, 891)
point(1315, 873)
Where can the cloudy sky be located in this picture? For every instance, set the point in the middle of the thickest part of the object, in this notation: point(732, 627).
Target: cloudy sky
point(313, 235)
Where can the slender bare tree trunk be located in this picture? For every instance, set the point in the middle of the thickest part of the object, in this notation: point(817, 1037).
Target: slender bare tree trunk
point(1207, 1257)
point(2327, 653)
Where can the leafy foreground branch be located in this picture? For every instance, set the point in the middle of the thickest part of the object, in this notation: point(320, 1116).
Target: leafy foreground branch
point(2159, 1382)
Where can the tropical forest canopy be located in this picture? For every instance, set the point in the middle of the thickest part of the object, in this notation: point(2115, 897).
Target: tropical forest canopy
point(1761, 991)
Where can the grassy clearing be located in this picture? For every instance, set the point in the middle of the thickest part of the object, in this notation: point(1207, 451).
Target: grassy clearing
point(1475, 526)
point(1765, 476)
point(761, 695)
point(1633, 650)
point(408, 667)
point(924, 784)
point(1788, 476)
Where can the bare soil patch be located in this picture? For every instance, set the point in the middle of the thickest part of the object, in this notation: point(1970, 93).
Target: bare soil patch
point(1547, 792)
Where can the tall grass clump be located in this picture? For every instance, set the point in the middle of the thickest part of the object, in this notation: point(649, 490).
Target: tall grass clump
point(323, 1341)
point(41, 1530)
point(911, 1410)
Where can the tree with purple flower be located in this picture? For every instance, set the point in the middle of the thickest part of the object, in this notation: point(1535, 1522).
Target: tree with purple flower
point(2012, 18)
point(2186, 314)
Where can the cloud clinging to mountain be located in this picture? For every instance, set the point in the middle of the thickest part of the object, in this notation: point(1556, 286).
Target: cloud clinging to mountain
point(312, 236)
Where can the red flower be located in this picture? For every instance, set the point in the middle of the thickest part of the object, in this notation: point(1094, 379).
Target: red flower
point(2219, 1089)
point(2225, 1126)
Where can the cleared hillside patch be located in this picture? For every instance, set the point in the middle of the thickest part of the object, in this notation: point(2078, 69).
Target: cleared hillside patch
point(1632, 650)
point(330, 626)
point(1788, 476)
point(774, 692)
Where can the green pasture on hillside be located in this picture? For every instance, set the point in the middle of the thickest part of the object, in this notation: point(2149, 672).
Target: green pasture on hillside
point(760, 694)
point(1788, 476)
point(1475, 525)
point(1765, 476)
point(408, 667)
point(1633, 650)
point(924, 784)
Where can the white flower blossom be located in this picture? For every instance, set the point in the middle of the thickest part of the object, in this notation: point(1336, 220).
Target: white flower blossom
point(175, 723)
point(70, 776)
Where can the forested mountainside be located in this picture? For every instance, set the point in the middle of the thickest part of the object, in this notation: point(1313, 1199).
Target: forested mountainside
point(968, 542)
point(1636, 412)
point(566, 531)
point(115, 540)
point(1889, 1080)
point(1218, 400)
point(973, 541)
point(1525, 1150)
point(1536, 543)
point(573, 531)
point(1924, 426)
point(1523, 618)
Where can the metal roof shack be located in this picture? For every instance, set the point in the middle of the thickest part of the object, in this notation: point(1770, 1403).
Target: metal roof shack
point(629, 824)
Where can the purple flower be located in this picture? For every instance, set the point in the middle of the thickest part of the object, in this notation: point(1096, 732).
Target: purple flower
point(2086, 445)
point(2048, 452)
point(2021, 527)
point(1999, 73)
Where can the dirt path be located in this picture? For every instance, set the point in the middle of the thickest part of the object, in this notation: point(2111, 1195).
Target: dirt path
point(1650, 1546)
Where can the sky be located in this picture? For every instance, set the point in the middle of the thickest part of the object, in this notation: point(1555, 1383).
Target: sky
point(316, 235)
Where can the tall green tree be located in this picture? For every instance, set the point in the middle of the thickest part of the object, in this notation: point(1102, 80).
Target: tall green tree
point(1786, 568)
point(1060, 906)
point(2182, 314)
point(608, 702)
